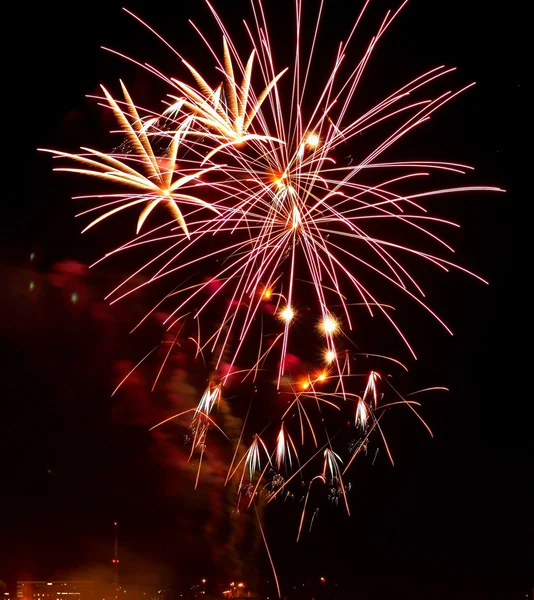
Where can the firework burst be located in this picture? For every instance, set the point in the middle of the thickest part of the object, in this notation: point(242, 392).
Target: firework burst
point(273, 228)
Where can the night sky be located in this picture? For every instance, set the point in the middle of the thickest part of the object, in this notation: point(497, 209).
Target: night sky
point(449, 521)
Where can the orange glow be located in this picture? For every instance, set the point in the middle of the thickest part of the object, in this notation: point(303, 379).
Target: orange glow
point(329, 356)
point(279, 179)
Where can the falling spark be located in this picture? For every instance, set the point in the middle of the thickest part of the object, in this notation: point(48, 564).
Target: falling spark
point(361, 414)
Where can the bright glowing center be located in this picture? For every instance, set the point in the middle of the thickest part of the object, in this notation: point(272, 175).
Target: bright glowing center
point(312, 140)
point(280, 180)
point(329, 356)
point(330, 325)
point(287, 314)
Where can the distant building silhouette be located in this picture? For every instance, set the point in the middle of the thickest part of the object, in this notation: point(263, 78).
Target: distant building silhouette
point(54, 590)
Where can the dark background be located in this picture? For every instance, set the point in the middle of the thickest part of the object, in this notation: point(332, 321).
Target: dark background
point(451, 519)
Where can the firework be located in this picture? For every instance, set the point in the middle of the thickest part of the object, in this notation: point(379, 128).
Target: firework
point(271, 228)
